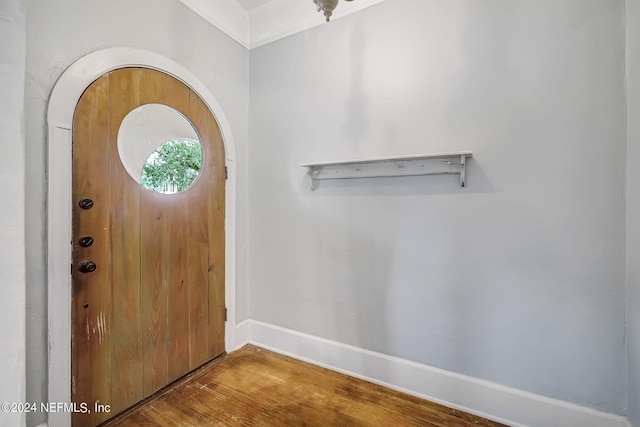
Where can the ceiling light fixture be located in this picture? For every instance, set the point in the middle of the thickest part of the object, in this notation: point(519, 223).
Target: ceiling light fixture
point(327, 6)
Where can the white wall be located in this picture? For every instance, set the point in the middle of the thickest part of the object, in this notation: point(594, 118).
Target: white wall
point(62, 31)
point(12, 234)
point(633, 206)
point(518, 278)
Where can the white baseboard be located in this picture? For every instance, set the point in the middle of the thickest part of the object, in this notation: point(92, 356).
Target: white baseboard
point(242, 335)
point(483, 398)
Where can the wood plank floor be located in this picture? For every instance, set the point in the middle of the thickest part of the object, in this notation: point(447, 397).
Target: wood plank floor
point(255, 387)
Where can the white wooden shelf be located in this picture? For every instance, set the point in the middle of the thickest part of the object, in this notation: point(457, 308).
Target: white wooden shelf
point(417, 164)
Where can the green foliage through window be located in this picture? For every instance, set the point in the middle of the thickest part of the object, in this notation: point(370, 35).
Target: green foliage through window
point(173, 167)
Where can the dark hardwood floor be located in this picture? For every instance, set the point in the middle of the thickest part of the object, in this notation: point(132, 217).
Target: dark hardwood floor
point(256, 387)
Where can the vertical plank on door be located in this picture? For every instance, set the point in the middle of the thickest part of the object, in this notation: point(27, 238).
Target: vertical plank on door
point(177, 293)
point(153, 290)
point(199, 247)
point(217, 259)
point(126, 344)
point(216, 196)
point(153, 262)
point(177, 96)
point(91, 295)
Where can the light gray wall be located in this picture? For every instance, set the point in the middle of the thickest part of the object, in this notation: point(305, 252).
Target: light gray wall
point(518, 278)
point(12, 206)
point(62, 31)
point(633, 206)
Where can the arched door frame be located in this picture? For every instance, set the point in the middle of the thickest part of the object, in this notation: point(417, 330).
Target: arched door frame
point(62, 104)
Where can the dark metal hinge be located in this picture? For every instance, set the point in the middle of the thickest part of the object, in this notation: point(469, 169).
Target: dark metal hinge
point(225, 314)
point(226, 173)
point(71, 269)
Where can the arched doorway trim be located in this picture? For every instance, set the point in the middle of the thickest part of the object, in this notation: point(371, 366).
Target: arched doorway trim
point(62, 104)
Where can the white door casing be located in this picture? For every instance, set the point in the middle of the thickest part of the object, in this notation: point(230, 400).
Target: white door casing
point(62, 104)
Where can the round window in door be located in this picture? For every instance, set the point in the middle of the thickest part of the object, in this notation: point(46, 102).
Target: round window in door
point(160, 149)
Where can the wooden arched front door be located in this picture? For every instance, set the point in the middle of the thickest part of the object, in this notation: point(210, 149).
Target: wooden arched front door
point(153, 309)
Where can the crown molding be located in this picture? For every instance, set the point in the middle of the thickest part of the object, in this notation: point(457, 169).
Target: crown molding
point(270, 22)
point(226, 15)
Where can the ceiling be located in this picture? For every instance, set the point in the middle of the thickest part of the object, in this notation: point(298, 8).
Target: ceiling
point(252, 4)
point(254, 23)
